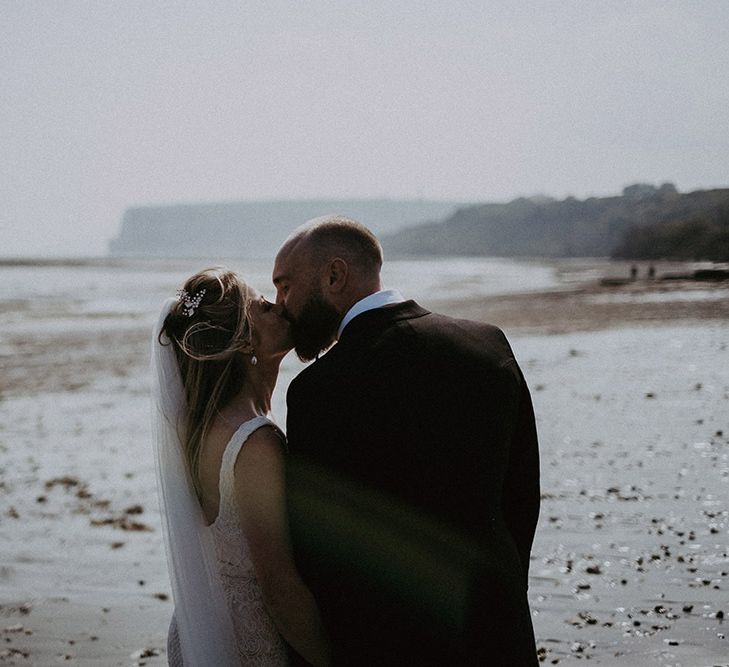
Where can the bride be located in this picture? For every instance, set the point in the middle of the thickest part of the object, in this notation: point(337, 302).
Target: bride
point(238, 597)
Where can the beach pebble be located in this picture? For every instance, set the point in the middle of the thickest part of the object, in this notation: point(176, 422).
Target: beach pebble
point(65, 482)
point(14, 628)
point(14, 652)
point(145, 653)
point(134, 509)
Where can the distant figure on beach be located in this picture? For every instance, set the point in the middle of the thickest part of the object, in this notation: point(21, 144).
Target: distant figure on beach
point(633, 272)
point(413, 468)
point(239, 599)
point(651, 272)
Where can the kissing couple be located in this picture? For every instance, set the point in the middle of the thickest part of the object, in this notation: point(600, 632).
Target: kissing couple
point(392, 523)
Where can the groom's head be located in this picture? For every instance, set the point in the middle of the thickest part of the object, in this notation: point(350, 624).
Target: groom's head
point(321, 271)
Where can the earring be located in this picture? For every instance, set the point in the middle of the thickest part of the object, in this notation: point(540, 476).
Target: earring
point(254, 360)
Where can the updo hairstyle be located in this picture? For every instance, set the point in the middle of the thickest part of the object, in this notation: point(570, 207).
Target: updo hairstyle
point(210, 346)
point(220, 324)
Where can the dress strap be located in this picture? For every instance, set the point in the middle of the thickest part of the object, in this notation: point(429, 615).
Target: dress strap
point(230, 456)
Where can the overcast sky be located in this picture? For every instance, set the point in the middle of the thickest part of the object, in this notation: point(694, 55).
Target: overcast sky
point(112, 103)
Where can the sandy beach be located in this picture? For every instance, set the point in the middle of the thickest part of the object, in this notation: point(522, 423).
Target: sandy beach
point(631, 390)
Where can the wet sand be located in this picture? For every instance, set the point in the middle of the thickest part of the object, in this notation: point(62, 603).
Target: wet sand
point(631, 560)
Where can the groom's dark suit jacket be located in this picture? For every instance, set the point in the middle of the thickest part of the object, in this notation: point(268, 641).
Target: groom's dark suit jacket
point(413, 486)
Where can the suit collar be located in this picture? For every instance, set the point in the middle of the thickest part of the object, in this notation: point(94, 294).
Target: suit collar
point(379, 318)
point(370, 302)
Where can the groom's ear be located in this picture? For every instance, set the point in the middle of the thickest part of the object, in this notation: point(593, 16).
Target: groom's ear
point(337, 273)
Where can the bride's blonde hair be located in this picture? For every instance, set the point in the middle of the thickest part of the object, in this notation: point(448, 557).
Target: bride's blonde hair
point(210, 330)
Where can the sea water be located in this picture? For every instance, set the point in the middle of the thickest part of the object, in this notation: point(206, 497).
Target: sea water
point(128, 289)
point(88, 299)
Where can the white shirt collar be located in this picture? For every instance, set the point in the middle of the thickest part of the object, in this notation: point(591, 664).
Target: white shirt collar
point(376, 300)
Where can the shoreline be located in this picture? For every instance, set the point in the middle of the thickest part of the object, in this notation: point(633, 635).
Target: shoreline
point(593, 306)
point(632, 403)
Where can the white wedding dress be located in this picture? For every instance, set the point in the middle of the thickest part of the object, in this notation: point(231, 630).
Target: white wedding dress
point(257, 640)
point(219, 619)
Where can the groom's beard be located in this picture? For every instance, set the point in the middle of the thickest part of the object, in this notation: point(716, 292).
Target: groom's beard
point(314, 330)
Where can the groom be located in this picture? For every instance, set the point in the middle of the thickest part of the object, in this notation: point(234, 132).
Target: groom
point(413, 480)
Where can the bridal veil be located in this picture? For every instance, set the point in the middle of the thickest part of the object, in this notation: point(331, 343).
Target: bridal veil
point(201, 612)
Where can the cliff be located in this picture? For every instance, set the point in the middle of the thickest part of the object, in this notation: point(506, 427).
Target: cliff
point(542, 227)
point(696, 236)
point(253, 229)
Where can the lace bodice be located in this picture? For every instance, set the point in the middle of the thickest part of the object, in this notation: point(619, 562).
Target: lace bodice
point(258, 640)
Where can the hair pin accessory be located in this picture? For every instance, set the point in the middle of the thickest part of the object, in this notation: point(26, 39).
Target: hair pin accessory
point(190, 302)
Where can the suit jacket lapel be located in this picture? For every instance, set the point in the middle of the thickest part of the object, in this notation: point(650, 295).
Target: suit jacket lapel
point(377, 319)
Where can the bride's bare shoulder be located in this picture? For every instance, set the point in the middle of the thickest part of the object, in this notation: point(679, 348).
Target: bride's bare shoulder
point(265, 444)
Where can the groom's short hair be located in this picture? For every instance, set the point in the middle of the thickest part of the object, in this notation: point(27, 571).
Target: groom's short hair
point(337, 235)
